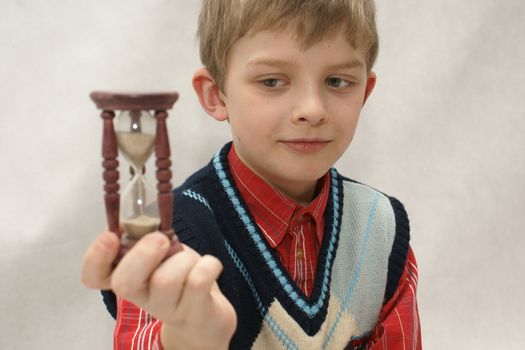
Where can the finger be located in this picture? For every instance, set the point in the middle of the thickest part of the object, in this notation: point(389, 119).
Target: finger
point(167, 281)
point(196, 293)
point(98, 259)
point(130, 277)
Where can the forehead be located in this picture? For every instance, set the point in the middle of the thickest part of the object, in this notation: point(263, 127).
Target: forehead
point(281, 48)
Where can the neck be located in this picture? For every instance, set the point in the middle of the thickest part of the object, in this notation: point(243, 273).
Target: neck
point(301, 193)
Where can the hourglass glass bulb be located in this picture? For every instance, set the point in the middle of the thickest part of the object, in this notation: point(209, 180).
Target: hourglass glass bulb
point(135, 132)
point(136, 136)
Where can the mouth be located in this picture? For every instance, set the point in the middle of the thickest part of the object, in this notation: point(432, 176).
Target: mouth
point(305, 145)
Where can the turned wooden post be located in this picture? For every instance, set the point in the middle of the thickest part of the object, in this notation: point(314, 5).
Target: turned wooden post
point(163, 163)
point(162, 151)
point(111, 175)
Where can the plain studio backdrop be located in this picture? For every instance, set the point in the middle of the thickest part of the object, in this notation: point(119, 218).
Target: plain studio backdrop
point(444, 131)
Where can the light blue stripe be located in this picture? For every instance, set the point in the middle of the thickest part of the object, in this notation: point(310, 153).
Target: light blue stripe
point(194, 195)
point(309, 310)
point(277, 331)
point(357, 271)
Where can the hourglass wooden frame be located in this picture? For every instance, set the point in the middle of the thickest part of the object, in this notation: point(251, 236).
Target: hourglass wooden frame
point(109, 102)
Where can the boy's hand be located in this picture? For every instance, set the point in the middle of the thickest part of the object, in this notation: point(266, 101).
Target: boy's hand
point(181, 291)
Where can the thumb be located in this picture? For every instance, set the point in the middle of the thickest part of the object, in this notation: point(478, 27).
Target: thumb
point(98, 259)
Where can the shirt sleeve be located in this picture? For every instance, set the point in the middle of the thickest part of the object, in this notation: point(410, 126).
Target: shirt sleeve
point(135, 329)
point(399, 327)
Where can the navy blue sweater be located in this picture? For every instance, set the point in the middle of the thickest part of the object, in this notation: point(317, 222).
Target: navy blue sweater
point(362, 256)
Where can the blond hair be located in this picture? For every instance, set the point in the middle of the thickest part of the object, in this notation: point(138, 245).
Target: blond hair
point(223, 22)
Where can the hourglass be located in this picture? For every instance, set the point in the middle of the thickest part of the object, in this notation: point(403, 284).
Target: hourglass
point(136, 132)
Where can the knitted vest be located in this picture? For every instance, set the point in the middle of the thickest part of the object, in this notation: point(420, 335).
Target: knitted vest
point(360, 262)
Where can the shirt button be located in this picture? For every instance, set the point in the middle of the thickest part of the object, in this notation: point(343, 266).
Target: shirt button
point(299, 253)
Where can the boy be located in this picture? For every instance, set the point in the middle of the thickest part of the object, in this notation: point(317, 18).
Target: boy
point(280, 250)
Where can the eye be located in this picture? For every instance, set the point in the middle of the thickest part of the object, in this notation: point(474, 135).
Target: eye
point(272, 82)
point(337, 82)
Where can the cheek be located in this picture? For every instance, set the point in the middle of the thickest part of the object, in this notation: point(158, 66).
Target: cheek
point(348, 116)
point(346, 126)
point(346, 121)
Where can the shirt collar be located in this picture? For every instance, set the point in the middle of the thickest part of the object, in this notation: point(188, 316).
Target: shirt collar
point(272, 210)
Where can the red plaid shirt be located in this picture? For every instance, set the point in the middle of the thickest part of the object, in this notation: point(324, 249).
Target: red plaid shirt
point(295, 233)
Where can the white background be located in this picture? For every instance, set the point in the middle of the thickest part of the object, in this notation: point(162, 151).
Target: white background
point(444, 131)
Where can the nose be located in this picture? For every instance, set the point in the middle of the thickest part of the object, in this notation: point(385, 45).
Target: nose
point(310, 107)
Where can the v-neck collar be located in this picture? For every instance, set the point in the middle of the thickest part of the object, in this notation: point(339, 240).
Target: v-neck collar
point(258, 262)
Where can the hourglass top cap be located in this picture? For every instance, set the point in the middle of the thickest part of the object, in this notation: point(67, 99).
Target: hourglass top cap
point(134, 101)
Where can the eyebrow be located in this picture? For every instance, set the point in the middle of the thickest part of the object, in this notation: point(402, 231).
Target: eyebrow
point(270, 62)
point(354, 63)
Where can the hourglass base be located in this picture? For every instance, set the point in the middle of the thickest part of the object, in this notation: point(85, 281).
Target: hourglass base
point(127, 242)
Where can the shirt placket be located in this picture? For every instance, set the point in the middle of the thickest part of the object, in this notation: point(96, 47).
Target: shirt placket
point(303, 245)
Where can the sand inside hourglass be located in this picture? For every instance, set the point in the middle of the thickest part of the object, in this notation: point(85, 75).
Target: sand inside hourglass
point(137, 147)
point(139, 226)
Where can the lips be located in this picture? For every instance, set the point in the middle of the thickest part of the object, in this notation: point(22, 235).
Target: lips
point(306, 145)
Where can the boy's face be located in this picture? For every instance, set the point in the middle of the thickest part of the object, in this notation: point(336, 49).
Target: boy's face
point(293, 112)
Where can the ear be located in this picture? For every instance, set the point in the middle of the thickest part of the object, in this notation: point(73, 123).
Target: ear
point(210, 97)
point(370, 83)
